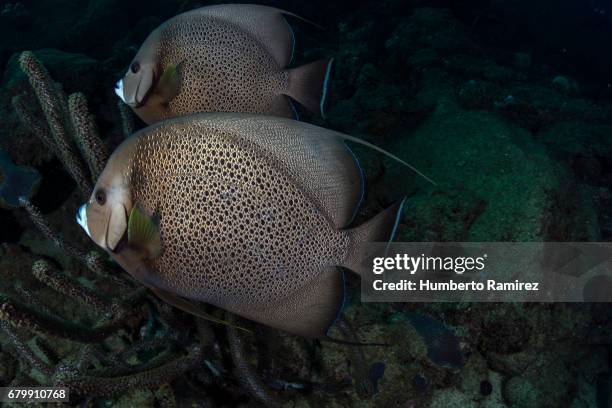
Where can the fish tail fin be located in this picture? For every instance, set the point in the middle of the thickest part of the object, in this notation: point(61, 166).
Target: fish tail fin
point(381, 228)
point(308, 84)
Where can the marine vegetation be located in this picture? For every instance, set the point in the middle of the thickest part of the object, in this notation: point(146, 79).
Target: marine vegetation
point(93, 370)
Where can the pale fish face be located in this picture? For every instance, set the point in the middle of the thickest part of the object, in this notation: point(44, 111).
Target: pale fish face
point(105, 216)
point(138, 82)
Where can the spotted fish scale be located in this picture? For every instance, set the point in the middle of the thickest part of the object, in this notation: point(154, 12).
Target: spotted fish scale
point(250, 213)
point(243, 231)
point(205, 46)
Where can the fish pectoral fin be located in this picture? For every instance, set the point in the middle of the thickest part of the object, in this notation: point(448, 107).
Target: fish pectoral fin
point(191, 307)
point(169, 82)
point(143, 233)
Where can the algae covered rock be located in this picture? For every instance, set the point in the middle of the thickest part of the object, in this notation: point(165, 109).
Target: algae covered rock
point(494, 180)
point(520, 392)
point(451, 398)
point(428, 36)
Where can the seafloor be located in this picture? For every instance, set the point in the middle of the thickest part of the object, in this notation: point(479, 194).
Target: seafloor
point(506, 105)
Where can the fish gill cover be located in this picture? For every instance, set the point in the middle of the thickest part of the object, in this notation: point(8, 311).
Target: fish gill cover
point(506, 105)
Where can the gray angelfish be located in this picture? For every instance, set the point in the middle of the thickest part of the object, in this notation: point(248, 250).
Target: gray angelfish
point(245, 212)
point(224, 58)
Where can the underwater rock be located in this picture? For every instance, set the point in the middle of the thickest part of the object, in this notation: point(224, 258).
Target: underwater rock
point(520, 392)
point(486, 388)
point(427, 37)
point(478, 95)
point(442, 345)
point(495, 399)
point(13, 11)
point(522, 60)
point(451, 398)
point(565, 84)
point(420, 382)
point(503, 338)
point(475, 154)
point(354, 51)
point(16, 181)
point(376, 371)
point(473, 374)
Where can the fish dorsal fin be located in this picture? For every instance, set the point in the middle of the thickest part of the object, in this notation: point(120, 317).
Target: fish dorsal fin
point(309, 312)
point(143, 233)
point(264, 23)
point(190, 307)
point(319, 162)
point(386, 153)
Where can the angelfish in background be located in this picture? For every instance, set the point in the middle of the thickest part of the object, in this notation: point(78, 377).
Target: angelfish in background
point(245, 212)
point(224, 58)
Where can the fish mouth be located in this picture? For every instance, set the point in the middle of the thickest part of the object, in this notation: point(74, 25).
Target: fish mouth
point(119, 90)
point(134, 102)
point(122, 244)
point(81, 218)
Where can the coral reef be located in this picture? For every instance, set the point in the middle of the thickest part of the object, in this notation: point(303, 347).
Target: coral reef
point(516, 135)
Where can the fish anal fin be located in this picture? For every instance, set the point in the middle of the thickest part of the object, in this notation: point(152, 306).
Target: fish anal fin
point(381, 228)
point(191, 307)
point(281, 106)
point(310, 312)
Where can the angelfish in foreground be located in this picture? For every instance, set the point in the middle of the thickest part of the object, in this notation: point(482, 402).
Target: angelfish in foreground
point(223, 58)
point(245, 212)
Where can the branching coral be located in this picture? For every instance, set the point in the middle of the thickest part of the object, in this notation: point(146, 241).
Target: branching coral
point(59, 124)
point(127, 119)
point(90, 144)
point(70, 133)
point(246, 373)
point(95, 385)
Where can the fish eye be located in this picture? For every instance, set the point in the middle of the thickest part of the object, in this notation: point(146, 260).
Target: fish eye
point(100, 197)
point(135, 67)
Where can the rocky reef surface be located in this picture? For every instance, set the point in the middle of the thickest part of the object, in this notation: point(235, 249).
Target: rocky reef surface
point(516, 134)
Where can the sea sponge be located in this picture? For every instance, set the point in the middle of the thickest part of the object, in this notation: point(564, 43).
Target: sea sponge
point(16, 181)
